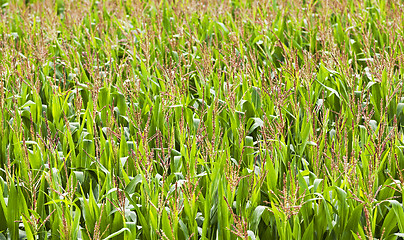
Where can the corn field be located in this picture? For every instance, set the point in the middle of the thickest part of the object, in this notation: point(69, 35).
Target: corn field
point(211, 119)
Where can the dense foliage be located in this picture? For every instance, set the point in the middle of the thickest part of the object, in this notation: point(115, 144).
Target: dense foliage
point(197, 119)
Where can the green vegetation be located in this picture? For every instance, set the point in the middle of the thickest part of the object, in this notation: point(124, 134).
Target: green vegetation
point(201, 119)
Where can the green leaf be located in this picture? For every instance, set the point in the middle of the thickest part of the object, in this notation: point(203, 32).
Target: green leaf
point(223, 27)
point(256, 217)
point(117, 233)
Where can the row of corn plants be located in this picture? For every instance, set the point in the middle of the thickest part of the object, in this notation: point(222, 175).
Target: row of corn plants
point(192, 119)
